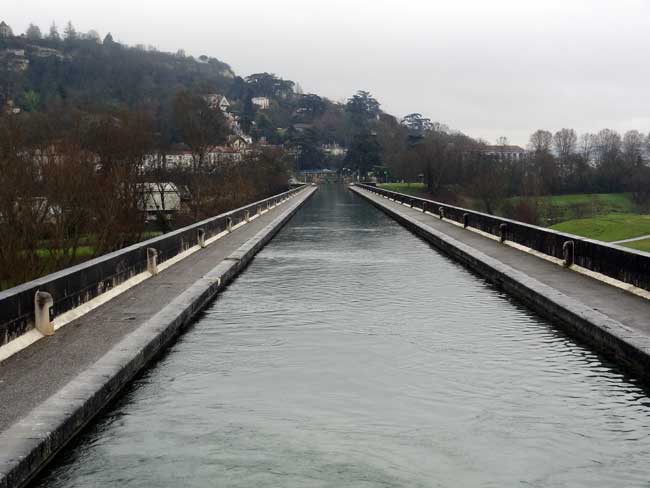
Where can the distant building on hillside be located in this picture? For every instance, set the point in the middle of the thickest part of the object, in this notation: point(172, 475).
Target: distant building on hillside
point(160, 198)
point(263, 103)
point(334, 150)
point(239, 142)
point(5, 30)
point(216, 101)
point(504, 152)
point(317, 175)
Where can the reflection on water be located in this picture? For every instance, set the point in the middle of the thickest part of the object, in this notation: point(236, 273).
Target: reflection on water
point(352, 354)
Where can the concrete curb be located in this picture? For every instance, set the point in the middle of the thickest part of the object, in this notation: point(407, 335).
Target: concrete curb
point(29, 444)
point(626, 347)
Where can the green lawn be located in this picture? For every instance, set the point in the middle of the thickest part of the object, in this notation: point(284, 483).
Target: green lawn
point(82, 252)
point(559, 208)
point(643, 245)
point(611, 227)
point(415, 189)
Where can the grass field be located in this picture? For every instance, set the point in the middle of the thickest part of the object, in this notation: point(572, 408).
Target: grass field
point(643, 245)
point(415, 189)
point(611, 227)
point(560, 208)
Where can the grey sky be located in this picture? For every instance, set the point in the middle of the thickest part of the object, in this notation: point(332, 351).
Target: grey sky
point(487, 68)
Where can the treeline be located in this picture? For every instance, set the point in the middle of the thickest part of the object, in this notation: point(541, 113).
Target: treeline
point(458, 168)
point(75, 183)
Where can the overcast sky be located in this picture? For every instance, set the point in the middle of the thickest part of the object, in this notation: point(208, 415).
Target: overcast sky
point(487, 68)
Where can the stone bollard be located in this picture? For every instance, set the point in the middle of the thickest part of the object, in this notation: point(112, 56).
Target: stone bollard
point(229, 224)
point(152, 260)
point(503, 228)
point(43, 301)
point(465, 220)
point(441, 213)
point(568, 251)
point(200, 237)
point(247, 216)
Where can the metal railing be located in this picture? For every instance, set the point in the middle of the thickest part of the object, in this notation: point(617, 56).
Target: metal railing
point(64, 290)
point(623, 264)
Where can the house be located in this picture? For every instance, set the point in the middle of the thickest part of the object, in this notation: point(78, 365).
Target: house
point(45, 52)
point(317, 175)
point(162, 197)
point(505, 152)
point(239, 142)
point(10, 108)
point(5, 30)
point(223, 155)
point(263, 103)
point(334, 150)
point(216, 101)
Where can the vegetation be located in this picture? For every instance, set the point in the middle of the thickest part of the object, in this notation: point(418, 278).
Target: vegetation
point(609, 228)
point(559, 208)
point(87, 124)
point(415, 189)
point(642, 245)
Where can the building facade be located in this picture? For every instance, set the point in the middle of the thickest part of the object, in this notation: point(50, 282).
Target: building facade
point(5, 30)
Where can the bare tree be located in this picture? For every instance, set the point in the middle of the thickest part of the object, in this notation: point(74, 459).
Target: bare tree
point(540, 141)
point(565, 142)
point(201, 127)
point(632, 148)
point(586, 146)
point(607, 146)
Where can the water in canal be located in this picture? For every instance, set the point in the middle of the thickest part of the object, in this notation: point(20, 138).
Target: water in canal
point(351, 354)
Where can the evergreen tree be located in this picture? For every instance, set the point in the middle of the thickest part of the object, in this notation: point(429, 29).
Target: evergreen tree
point(33, 32)
point(54, 33)
point(70, 33)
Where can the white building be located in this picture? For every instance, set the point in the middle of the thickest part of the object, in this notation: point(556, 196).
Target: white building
point(263, 103)
point(334, 150)
point(5, 30)
point(505, 152)
point(216, 101)
point(160, 197)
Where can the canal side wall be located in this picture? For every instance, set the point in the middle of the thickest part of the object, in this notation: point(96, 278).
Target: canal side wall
point(27, 446)
point(628, 348)
point(72, 287)
point(623, 264)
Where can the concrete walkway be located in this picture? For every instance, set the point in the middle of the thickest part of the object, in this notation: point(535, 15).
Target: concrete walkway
point(632, 239)
point(628, 312)
point(32, 375)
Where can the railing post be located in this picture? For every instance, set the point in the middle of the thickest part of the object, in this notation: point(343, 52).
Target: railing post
point(441, 212)
point(259, 210)
point(568, 250)
point(229, 224)
point(465, 220)
point(247, 216)
point(43, 301)
point(503, 228)
point(152, 260)
point(200, 237)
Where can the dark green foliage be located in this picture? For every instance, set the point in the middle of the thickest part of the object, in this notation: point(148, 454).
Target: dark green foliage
point(269, 85)
point(363, 108)
point(364, 152)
